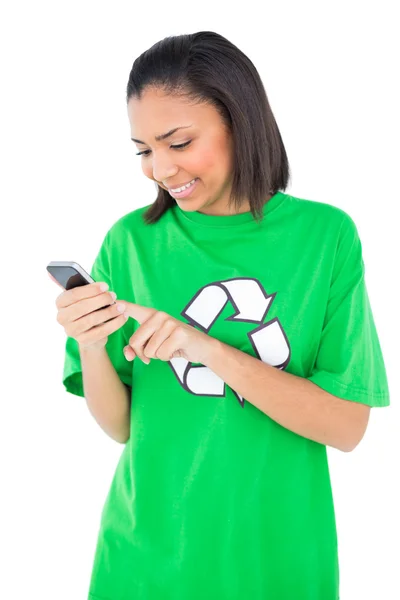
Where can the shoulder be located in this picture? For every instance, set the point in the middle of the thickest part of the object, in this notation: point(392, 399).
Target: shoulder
point(322, 214)
point(128, 224)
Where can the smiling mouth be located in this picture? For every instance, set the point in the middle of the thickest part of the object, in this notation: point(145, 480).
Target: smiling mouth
point(176, 187)
point(186, 192)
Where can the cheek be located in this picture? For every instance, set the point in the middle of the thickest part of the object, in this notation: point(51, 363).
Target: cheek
point(147, 169)
point(206, 160)
point(214, 156)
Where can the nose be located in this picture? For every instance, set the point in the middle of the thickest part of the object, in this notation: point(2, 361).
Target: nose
point(163, 168)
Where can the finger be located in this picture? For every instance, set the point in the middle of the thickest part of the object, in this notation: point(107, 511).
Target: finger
point(92, 319)
point(157, 339)
point(137, 349)
point(172, 347)
point(142, 313)
point(146, 330)
point(129, 353)
point(81, 292)
point(86, 306)
point(101, 331)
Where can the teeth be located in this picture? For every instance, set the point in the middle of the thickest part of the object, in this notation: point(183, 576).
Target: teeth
point(184, 187)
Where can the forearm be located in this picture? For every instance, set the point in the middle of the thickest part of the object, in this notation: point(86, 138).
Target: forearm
point(107, 397)
point(292, 401)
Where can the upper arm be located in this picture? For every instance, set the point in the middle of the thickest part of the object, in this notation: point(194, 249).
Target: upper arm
point(349, 361)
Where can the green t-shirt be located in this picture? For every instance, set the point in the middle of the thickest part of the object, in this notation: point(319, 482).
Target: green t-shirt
point(211, 498)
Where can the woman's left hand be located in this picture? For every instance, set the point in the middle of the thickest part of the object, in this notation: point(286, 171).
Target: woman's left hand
point(164, 337)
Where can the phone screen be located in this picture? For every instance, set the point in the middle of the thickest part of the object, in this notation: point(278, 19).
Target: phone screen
point(68, 276)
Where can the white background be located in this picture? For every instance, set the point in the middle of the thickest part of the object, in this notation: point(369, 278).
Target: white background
point(69, 171)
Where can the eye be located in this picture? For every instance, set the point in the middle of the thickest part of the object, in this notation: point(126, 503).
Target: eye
point(179, 147)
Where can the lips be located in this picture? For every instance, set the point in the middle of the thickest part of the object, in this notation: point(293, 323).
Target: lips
point(179, 185)
point(187, 191)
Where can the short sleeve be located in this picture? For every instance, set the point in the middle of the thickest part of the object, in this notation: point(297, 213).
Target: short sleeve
point(72, 371)
point(349, 362)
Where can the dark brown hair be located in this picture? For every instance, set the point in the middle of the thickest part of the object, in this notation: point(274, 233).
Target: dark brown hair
point(206, 67)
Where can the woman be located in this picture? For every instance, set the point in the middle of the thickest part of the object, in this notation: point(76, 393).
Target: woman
point(222, 490)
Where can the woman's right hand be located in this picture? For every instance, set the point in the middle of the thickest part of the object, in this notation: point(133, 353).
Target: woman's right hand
point(81, 313)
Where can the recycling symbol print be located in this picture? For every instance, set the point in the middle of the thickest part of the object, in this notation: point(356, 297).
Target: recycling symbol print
point(251, 304)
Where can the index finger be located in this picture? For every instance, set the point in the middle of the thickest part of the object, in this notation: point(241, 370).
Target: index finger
point(68, 297)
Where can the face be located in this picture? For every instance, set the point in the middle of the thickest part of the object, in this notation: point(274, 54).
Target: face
point(206, 157)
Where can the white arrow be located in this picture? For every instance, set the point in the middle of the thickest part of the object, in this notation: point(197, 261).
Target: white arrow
point(251, 304)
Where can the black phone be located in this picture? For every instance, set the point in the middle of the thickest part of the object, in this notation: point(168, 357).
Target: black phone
point(68, 274)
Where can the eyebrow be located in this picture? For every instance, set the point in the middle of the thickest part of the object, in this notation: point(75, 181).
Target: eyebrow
point(163, 136)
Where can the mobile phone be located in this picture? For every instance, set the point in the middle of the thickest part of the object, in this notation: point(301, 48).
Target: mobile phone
point(69, 274)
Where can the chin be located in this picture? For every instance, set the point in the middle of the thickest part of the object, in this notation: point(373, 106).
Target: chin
point(188, 204)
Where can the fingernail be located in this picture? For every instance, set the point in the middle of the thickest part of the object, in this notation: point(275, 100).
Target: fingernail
point(121, 307)
point(114, 295)
point(103, 287)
